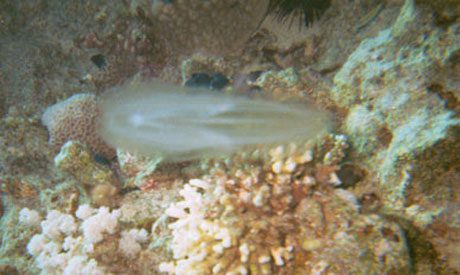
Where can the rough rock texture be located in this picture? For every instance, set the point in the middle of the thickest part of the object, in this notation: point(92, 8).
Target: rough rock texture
point(138, 170)
point(402, 120)
point(212, 27)
point(445, 11)
point(96, 178)
point(389, 120)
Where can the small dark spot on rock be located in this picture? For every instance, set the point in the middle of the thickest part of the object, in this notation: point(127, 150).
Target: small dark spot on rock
point(255, 90)
point(389, 234)
point(370, 203)
point(435, 88)
point(99, 60)
point(198, 80)
point(127, 190)
point(100, 159)
point(357, 81)
point(384, 136)
point(214, 81)
point(454, 59)
point(448, 97)
point(350, 175)
point(7, 269)
point(254, 75)
point(218, 81)
point(54, 198)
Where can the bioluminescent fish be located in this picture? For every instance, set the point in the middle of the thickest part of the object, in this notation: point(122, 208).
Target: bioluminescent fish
point(183, 123)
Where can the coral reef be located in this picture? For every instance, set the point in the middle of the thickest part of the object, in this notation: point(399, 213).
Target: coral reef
point(282, 217)
point(60, 248)
point(97, 179)
point(380, 196)
point(75, 119)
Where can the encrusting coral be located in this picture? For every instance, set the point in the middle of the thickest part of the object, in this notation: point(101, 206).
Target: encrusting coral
point(280, 217)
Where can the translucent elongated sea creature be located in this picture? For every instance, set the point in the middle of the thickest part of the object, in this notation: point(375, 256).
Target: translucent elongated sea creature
point(182, 123)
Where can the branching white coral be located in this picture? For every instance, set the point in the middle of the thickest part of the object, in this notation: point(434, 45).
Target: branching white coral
point(212, 234)
point(130, 242)
point(104, 221)
point(61, 248)
point(29, 217)
point(277, 218)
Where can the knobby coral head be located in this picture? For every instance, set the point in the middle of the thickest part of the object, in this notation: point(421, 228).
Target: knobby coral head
point(183, 123)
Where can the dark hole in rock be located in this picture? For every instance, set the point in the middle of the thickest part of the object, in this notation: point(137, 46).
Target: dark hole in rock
point(99, 60)
point(350, 175)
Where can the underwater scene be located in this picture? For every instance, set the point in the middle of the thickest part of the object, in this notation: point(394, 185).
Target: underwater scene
point(229, 137)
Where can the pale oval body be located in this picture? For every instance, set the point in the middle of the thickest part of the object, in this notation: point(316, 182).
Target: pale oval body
point(182, 123)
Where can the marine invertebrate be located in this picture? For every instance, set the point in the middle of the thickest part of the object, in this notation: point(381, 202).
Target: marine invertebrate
point(129, 243)
point(65, 244)
point(29, 217)
point(281, 217)
point(181, 124)
point(91, 241)
point(75, 119)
